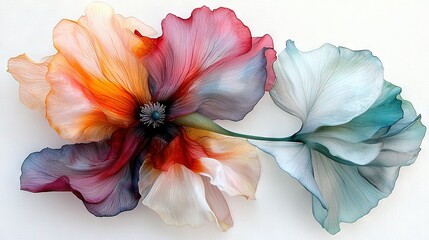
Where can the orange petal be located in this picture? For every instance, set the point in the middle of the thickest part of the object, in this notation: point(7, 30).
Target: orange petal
point(181, 150)
point(103, 82)
point(111, 42)
point(33, 86)
point(69, 110)
point(232, 164)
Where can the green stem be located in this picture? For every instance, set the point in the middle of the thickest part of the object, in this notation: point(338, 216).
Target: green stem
point(198, 121)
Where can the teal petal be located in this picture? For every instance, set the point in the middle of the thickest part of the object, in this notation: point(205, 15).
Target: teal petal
point(343, 151)
point(385, 112)
point(346, 143)
point(348, 195)
point(410, 117)
point(382, 178)
point(357, 130)
point(401, 148)
point(328, 86)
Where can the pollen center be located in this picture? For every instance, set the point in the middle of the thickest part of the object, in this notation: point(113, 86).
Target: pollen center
point(152, 114)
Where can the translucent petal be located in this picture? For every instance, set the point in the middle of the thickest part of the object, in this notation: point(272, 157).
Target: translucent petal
point(31, 76)
point(385, 112)
point(218, 205)
point(100, 174)
point(232, 164)
point(99, 67)
point(347, 194)
point(178, 196)
point(295, 159)
point(204, 62)
point(403, 147)
point(327, 86)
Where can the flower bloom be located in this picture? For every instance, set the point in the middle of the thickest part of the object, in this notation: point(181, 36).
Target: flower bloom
point(116, 92)
point(356, 130)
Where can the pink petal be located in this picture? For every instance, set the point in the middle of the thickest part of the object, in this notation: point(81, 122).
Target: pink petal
point(218, 205)
point(31, 76)
point(209, 59)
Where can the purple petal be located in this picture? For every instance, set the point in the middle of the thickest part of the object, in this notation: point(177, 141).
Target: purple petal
point(101, 174)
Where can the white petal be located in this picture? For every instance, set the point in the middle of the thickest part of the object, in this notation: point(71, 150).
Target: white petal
point(295, 159)
point(178, 196)
point(218, 205)
point(237, 178)
point(358, 153)
point(328, 86)
point(409, 139)
point(402, 144)
point(147, 177)
point(232, 164)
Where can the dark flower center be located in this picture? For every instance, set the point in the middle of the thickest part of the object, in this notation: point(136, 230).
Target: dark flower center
point(152, 114)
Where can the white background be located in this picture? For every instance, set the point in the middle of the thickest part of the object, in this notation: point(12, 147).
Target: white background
point(395, 31)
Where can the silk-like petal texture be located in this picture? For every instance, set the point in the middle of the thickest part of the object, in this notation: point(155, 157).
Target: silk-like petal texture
point(97, 55)
point(203, 63)
point(31, 76)
point(230, 163)
point(97, 79)
point(295, 159)
point(188, 193)
point(327, 86)
point(352, 191)
point(353, 161)
point(101, 92)
point(97, 173)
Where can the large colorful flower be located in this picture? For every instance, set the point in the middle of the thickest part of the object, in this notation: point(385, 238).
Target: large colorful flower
point(356, 130)
point(118, 93)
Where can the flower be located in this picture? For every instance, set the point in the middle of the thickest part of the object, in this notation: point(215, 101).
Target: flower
point(356, 130)
point(117, 92)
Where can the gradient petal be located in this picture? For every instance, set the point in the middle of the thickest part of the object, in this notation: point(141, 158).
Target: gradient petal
point(232, 164)
point(218, 205)
point(402, 148)
point(69, 110)
point(348, 195)
point(357, 131)
point(198, 159)
point(100, 174)
point(211, 50)
point(378, 119)
point(359, 153)
point(33, 86)
point(295, 159)
point(178, 196)
point(97, 59)
point(328, 86)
